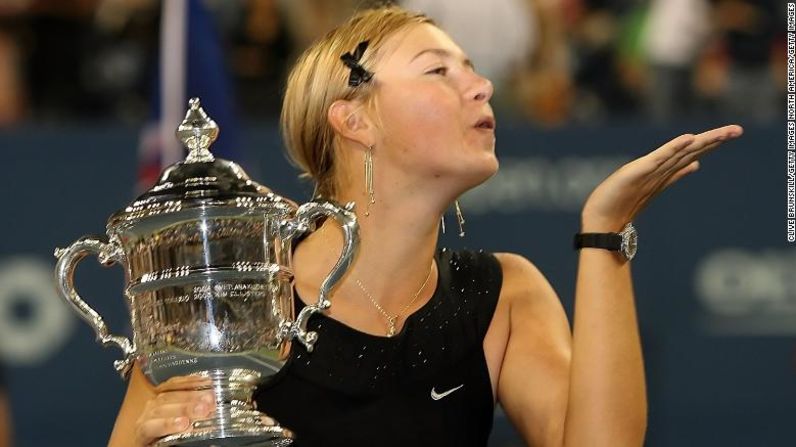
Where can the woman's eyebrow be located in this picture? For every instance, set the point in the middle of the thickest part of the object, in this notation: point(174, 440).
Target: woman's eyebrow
point(442, 53)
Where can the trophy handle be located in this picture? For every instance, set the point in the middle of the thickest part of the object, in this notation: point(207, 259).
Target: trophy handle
point(108, 254)
point(305, 218)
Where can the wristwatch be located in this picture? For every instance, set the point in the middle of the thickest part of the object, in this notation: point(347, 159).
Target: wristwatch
point(626, 241)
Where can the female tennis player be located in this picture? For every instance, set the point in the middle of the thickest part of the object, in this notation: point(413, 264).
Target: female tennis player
point(420, 343)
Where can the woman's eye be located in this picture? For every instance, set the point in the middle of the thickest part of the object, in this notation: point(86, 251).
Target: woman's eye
point(440, 70)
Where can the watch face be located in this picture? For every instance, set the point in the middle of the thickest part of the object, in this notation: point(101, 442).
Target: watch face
point(629, 241)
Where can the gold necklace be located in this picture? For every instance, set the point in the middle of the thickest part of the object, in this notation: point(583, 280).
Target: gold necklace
point(391, 319)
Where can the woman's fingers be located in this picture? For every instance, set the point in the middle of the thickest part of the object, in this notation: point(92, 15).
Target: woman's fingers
point(670, 150)
point(192, 410)
point(688, 169)
point(682, 152)
point(152, 429)
point(172, 411)
point(628, 190)
point(728, 131)
point(711, 139)
point(674, 156)
point(186, 396)
point(678, 167)
point(184, 383)
point(267, 421)
point(686, 159)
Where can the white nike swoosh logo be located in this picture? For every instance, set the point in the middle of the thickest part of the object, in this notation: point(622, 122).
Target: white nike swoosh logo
point(438, 396)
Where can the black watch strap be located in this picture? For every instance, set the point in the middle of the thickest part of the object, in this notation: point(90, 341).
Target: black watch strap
point(609, 241)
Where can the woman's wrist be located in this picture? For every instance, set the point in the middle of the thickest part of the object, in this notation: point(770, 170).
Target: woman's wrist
point(594, 224)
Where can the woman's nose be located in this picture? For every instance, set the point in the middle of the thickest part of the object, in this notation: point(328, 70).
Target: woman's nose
point(483, 89)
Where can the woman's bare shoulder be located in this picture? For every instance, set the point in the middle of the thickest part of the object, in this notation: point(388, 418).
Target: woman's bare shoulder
point(530, 301)
point(520, 275)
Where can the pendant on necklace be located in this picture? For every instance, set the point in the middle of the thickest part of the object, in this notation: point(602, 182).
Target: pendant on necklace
point(391, 330)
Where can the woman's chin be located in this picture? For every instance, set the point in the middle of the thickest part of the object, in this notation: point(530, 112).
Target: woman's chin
point(482, 172)
point(490, 166)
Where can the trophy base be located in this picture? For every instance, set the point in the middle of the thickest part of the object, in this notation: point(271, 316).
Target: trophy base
point(235, 422)
point(244, 429)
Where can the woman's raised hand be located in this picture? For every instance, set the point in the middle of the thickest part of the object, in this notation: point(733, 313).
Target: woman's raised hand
point(172, 410)
point(621, 196)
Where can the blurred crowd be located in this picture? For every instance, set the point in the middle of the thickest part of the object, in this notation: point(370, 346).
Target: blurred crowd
point(553, 62)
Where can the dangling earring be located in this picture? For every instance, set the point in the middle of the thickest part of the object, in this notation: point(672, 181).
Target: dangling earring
point(369, 179)
point(460, 218)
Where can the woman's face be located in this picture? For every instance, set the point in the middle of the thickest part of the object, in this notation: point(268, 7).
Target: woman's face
point(434, 109)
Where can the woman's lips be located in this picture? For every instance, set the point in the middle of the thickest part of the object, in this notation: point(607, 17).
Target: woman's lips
point(485, 123)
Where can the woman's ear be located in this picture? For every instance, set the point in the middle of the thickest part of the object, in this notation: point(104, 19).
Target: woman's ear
point(350, 120)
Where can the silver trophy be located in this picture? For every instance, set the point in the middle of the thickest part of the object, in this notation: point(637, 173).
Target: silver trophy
point(209, 284)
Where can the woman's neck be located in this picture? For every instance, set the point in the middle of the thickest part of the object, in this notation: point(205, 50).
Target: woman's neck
point(398, 241)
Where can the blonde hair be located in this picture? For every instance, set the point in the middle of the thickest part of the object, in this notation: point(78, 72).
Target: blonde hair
point(319, 78)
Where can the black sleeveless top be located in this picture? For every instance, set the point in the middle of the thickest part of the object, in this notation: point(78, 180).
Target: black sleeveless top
point(426, 386)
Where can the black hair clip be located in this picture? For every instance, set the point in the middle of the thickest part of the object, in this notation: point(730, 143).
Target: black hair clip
point(358, 73)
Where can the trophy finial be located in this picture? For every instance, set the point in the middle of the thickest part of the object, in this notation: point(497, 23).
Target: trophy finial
point(197, 132)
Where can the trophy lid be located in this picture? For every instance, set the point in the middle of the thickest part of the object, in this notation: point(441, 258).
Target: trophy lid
point(201, 180)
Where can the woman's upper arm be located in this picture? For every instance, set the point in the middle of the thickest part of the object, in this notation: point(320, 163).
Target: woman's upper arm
point(139, 392)
point(533, 386)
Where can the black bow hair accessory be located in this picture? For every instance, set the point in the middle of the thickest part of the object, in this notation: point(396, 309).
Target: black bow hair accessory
point(358, 73)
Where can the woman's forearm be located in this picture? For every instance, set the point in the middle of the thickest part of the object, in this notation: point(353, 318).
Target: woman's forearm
point(607, 403)
point(607, 396)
